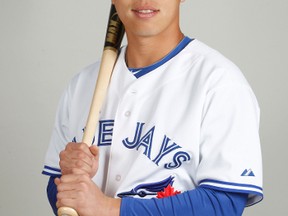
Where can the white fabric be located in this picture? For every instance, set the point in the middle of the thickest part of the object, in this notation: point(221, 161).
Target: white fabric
point(197, 121)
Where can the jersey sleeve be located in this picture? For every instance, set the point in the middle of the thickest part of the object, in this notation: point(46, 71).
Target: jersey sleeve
point(230, 154)
point(59, 137)
point(71, 115)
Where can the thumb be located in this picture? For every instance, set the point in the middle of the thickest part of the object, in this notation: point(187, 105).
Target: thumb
point(94, 150)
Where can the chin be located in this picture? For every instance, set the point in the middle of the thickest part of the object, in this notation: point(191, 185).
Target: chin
point(147, 33)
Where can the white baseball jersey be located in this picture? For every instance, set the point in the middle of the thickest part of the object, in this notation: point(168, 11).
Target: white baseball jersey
point(191, 121)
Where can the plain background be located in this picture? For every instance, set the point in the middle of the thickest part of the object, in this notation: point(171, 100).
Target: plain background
point(43, 43)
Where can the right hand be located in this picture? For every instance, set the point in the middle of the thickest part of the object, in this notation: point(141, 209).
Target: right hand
point(79, 192)
point(79, 156)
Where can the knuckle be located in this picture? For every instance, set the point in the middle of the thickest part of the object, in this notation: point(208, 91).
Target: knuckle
point(61, 163)
point(84, 179)
point(69, 146)
point(81, 155)
point(74, 170)
point(62, 154)
point(83, 187)
point(79, 164)
point(82, 146)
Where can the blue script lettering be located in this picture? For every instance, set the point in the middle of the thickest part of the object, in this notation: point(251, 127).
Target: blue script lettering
point(178, 160)
point(167, 147)
point(105, 132)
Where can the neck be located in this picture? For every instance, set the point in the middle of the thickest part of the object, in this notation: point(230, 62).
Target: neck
point(144, 51)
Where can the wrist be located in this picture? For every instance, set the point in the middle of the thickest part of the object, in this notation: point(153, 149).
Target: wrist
point(113, 207)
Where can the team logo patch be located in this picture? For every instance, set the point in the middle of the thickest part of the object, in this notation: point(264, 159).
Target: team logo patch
point(168, 191)
point(159, 189)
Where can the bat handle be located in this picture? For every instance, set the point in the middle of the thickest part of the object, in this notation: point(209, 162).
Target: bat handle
point(67, 211)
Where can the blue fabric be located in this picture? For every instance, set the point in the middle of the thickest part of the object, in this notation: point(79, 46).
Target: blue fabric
point(138, 72)
point(201, 201)
point(52, 193)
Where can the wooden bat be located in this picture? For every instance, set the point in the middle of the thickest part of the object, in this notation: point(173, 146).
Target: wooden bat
point(114, 35)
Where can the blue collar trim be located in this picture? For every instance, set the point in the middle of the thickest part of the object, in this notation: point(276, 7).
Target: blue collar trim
point(138, 72)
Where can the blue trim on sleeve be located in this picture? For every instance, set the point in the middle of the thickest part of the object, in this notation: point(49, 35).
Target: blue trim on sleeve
point(51, 171)
point(255, 193)
point(52, 168)
point(236, 191)
point(230, 183)
point(200, 201)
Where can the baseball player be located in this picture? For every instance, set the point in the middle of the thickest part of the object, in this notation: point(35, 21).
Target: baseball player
point(178, 131)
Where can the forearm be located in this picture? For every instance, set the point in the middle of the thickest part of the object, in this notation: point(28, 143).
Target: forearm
point(200, 201)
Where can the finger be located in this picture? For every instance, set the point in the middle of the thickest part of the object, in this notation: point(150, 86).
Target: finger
point(72, 186)
point(80, 147)
point(67, 167)
point(57, 181)
point(76, 155)
point(77, 176)
point(67, 202)
point(76, 150)
point(94, 150)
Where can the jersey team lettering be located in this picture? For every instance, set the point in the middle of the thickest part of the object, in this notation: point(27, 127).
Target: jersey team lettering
point(145, 142)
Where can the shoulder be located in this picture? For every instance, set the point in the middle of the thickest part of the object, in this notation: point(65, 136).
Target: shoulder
point(87, 74)
point(85, 78)
point(208, 54)
point(213, 67)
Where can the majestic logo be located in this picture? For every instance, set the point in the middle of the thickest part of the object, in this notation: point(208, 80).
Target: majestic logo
point(248, 172)
point(161, 189)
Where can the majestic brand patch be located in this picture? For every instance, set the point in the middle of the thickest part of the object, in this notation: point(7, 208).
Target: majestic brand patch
point(248, 172)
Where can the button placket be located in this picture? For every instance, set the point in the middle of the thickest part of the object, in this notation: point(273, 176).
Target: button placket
point(127, 113)
point(130, 95)
point(118, 177)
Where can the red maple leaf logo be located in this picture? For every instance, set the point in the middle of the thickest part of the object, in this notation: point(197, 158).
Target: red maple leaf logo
point(168, 191)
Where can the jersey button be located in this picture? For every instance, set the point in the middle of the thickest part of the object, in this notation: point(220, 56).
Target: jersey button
point(127, 113)
point(133, 91)
point(118, 177)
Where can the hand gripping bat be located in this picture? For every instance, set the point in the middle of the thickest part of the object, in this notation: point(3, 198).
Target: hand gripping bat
point(114, 34)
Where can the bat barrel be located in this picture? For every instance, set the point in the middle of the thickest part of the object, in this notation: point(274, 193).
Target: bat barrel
point(115, 31)
point(114, 35)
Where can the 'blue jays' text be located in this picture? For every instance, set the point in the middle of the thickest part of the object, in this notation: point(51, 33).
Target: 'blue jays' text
point(143, 141)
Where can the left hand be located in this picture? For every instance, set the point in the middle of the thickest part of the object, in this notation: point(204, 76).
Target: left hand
point(79, 192)
point(79, 156)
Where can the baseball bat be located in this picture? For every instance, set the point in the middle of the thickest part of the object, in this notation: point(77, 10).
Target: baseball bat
point(114, 35)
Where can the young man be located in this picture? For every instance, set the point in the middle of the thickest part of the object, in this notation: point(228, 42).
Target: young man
point(178, 133)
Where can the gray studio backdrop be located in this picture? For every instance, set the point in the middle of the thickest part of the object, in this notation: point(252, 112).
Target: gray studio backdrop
point(43, 43)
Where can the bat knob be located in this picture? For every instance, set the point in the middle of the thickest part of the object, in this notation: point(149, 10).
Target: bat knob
point(67, 211)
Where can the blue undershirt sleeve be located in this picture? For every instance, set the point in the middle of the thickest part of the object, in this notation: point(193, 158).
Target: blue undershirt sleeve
point(52, 193)
point(200, 201)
